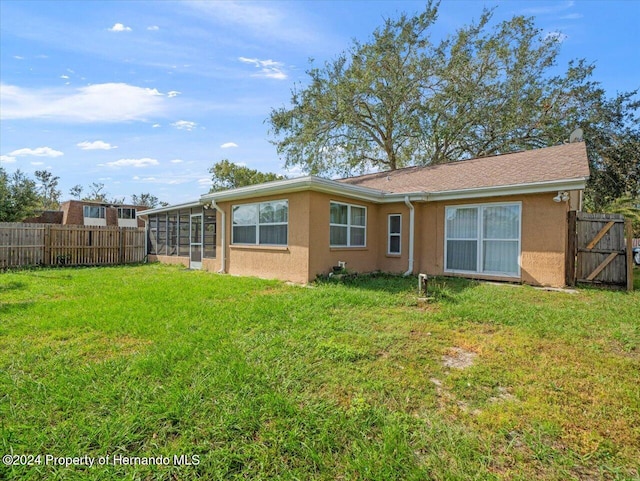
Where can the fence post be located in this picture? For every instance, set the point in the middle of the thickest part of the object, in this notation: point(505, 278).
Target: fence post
point(121, 246)
point(46, 255)
point(570, 257)
point(629, 256)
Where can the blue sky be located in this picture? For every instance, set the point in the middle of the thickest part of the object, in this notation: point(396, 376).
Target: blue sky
point(146, 96)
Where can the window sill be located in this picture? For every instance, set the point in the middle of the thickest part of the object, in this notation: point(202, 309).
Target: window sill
point(258, 247)
point(358, 248)
point(394, 256)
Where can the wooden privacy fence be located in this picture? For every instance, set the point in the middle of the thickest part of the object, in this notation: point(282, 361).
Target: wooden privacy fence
point(74, 245)
point(599, 250)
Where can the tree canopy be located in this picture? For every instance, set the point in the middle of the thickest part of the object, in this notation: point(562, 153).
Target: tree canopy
point(18, 196)
point(402, 99)
point(227, 175)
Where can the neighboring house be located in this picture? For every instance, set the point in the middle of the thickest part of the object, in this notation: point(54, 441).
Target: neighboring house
point(501, 218)
point(45, 217)
point(81, 212)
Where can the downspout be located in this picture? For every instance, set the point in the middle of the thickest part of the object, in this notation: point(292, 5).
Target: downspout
point(223, 235)
point(411, 233)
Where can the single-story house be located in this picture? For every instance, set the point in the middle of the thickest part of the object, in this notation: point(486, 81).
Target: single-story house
point(500, 218)
point(94, 213)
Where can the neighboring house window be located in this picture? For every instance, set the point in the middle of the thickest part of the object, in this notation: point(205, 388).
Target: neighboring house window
point(483, 239)
point(347, 225)
point(265, 223)
point(394, 229)
point(94, 212)
point(126, 213)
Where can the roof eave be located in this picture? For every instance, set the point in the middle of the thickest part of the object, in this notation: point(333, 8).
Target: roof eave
point(158, 210)
point(298, 184)
point(514, 189)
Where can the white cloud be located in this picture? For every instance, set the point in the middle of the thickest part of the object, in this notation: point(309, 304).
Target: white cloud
point(549, 9)
point(260, 19)
point(108, 102)
point(153, 28)
point(205, 181)
point(7, 159)
point(184, 125)
point(37, 163)
point(144, 162)
point(572, 16)
point(173, 93)
point(228, 145)
point(155, 126)
point(295, 171)
point(268, 68)
point(96, 145)
point(18, 57)
point(37, 152)
point(170, 178)
point(176, 161)
point(118, 27)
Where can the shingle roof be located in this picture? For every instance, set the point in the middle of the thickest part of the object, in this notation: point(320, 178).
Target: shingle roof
point(562, 162)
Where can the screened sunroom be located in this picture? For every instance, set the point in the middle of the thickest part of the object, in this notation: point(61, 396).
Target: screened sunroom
point(188, 232)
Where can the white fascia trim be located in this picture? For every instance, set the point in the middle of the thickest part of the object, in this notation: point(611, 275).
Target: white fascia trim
point(159, 210)
point(316, 184)
point(515, 189)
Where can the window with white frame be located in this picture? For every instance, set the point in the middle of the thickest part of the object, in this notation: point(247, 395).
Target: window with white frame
point(483, 239)
point(347, 225)
point(265, 223)
point(94, 212)
point(394, 228)
point(126, 213)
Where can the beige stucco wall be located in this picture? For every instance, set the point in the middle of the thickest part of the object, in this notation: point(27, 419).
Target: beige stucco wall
point(289, 263)
point(173, 260)
point(207, 264)
point(543, 241)
point(308, 254)
point(323, 257)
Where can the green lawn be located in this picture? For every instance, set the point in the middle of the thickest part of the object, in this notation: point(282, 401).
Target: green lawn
point(264, 380)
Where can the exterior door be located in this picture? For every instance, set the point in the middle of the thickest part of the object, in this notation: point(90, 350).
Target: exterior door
point(195, 244)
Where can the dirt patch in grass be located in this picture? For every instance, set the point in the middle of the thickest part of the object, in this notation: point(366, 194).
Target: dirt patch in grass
point(458, 358)
point(91, 346)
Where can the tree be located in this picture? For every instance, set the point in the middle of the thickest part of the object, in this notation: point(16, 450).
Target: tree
point(96, 193)
point(612, 132)
point(49, 192)
point(76, 191)
point(18, 196)
point(227, 175)
point(400, 100)
point(629, 207)
point(363, 109)
point(146, 200)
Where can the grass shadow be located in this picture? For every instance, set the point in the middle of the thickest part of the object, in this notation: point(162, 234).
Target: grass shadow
point(57, 271)
point(13, 286)
point(439, 288)
point(12, 307)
